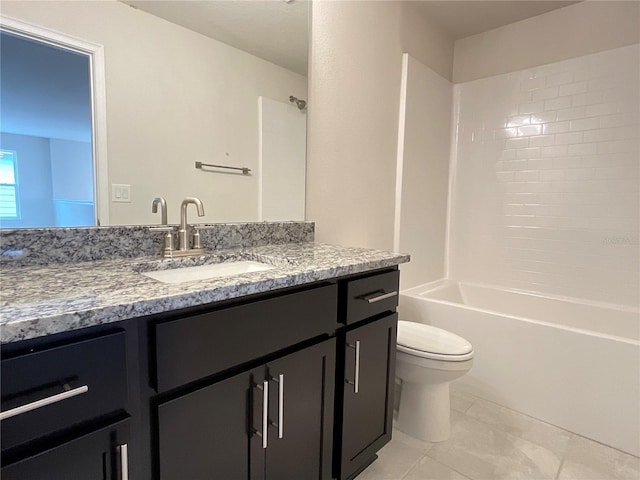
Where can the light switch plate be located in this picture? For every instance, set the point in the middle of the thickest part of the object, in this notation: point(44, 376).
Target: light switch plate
point(120, 193)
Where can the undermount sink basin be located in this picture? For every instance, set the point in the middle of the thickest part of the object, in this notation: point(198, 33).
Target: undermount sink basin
point(204, 272)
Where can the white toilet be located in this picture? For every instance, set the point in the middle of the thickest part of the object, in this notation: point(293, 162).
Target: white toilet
point(428, 358)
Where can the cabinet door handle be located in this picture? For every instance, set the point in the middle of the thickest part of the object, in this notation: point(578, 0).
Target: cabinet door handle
point(43, 402)
point(376, 297)
point(265, 412)
point(280, 425)
point(124, 461)
point(356, 381)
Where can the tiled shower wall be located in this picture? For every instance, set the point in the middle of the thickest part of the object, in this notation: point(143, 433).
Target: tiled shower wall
point(546, 183)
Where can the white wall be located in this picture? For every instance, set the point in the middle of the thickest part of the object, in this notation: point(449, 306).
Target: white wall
point(354, 90)
point(174, 97)
point(423, 158)
point(573, 31)
point(354, 96)
point(546, 194)
point(71, 170)
point(283, 144)
point(45, 92)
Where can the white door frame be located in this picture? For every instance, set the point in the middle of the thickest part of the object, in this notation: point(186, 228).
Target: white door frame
point(95, 52)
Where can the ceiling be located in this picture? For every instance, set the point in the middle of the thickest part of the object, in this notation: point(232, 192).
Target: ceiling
point(464, 18)
point(277, 30)
point(45, 90)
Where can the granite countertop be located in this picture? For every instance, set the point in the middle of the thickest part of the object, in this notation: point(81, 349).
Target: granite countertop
point(43, 300)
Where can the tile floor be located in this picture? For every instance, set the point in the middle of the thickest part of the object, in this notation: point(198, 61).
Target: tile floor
point(491, 442)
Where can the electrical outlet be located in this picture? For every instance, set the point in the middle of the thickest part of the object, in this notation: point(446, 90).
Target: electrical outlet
point(120, 193)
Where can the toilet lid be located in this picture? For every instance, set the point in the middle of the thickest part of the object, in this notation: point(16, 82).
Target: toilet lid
point(418, 337)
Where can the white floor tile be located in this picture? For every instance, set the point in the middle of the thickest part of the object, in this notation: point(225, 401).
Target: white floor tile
point(394, 461)
point(491, 442)
point(428, 469)
point(589, 460)
point(481, 451)
point(413, 442)
point(520, 425)
point(461, 402)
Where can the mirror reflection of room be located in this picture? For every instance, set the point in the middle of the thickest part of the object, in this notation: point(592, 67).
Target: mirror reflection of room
point(46, 165)
point(174, 94)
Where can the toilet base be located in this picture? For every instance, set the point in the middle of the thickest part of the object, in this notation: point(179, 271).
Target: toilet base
point(425, 411)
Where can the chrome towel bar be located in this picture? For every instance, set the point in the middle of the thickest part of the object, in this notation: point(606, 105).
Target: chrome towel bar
point(244, 170)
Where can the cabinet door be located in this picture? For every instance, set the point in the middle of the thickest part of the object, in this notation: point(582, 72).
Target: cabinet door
point(95, 456)
point(301, 392)
point(369, 363)
point(207, 434)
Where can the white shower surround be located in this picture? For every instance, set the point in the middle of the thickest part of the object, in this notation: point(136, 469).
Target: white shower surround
point(546, 179)
point(544, 208)
point(549, 357)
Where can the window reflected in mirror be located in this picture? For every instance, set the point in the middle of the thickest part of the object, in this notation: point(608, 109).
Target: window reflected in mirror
point(46, 163)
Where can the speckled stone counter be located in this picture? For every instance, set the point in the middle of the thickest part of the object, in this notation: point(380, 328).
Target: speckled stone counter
point(43, 246)
point(42, 300)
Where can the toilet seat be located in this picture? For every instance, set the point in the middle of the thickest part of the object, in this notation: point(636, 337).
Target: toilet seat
point(431, 342)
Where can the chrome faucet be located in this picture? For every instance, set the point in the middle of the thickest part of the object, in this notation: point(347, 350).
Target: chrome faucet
point(184, 242)
point(163, 208)
point(167, 241)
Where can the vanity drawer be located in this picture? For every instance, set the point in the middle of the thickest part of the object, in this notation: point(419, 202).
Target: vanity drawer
point(371, 296)
point(197, 346)
point(52, 389)
point(98, 454)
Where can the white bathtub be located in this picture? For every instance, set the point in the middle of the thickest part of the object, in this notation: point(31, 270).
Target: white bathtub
point(570, 363)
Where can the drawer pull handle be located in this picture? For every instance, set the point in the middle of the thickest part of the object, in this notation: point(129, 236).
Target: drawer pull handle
point(280, 381)
point(44, 402)
point(356, 381)
point(265, 412)
point(374, 297)
point(124, 461)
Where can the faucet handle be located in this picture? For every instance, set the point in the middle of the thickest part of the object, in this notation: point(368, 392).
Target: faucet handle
point(197, 228)
point(168, 228)
point(195, 238)
point(197, 241)
point(168, 248)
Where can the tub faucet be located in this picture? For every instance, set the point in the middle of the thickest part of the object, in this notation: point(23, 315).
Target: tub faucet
point(163, 208)
point(184, 242)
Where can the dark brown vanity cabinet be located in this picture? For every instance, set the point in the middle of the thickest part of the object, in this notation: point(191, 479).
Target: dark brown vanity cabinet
point(64, 410)
point(270, 422)
point(101, 454)
point(291, 384)
point(366, 365)
point(262, 404)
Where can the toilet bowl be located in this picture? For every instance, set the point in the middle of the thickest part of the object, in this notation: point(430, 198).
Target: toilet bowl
point(427, 360)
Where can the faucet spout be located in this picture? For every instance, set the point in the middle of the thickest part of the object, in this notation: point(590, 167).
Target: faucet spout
point(183, 234)
point(163, 208)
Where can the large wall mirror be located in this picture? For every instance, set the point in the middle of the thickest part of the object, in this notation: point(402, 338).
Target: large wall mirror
point(186, 88)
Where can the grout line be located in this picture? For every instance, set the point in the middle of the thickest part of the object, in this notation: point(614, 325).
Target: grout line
point(501, 427)
point(603, 445)
point(448, 466)
point(413, 465)
point(528, 416)
point(559, 468)
point(473, 402)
